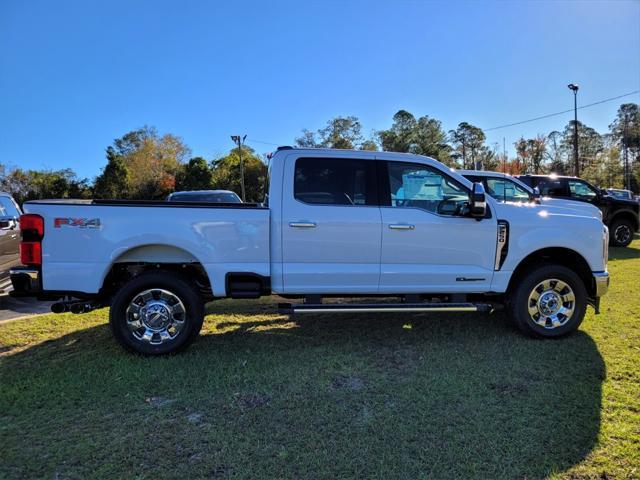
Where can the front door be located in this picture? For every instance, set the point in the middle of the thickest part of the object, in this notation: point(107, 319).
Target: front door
point(582, 191)
point(429, 244)
point(331, 226)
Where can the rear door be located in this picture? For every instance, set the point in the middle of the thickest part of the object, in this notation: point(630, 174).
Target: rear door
point(331, 225)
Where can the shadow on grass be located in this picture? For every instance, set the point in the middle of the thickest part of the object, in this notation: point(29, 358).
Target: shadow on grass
point(625, 253)
point(386, 396)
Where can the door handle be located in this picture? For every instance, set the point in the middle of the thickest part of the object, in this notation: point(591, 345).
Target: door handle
point(401, 226)
point(302, 224)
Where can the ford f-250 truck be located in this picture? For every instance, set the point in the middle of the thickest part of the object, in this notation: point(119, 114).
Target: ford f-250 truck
point(335, 223)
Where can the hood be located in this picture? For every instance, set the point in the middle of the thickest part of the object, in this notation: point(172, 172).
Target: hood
point(512, 211)
point(578, 207)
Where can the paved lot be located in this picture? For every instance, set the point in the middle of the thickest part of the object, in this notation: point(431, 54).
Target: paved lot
point(12, 308)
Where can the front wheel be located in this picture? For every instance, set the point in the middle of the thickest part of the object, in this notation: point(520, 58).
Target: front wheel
point(621, 233)
point(156, 313)
point(548, 301)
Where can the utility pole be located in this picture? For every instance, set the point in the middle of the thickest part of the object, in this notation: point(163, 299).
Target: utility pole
point(576, 165)
point(627, 182)
point(504, 156)
point(238, 140)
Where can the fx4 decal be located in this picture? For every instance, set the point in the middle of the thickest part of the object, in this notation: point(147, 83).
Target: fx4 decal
point(76, 222)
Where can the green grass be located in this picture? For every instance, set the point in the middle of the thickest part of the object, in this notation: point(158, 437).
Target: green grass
point(261, 395)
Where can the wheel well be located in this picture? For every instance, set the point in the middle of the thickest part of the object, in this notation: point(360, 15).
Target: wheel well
point(626, 216)
point(121, 272)
point(560, 256)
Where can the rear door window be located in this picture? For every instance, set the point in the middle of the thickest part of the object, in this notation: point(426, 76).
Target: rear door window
point(506, 190)
point(335, 181)
point(552, 187)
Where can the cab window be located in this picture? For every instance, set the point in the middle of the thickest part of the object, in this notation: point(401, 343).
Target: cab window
point(506, 190)
point(335, 181)
point(7, 208)
point(551, 187)
point(581, 190)
point(420, 186)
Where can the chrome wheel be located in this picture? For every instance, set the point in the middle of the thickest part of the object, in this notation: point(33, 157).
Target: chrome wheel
point(551, 303)
point(622, 234)
point(155, 316)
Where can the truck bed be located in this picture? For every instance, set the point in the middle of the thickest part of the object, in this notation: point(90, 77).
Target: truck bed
point(84, 238)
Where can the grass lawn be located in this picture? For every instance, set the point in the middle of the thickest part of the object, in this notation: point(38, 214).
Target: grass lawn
point(387, 396)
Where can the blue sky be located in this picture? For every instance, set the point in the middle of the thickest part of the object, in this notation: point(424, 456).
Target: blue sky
point(76, 75)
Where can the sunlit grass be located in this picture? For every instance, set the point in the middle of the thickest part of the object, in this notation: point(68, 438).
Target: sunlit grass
point(263, 395)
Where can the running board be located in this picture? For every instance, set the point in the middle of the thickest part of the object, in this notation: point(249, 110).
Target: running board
point(289, 308)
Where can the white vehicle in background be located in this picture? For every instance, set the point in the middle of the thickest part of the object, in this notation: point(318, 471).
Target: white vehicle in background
point(206, 196)
point(9, 238)
point(620, 193)
point(338, 223)
point(505, 188)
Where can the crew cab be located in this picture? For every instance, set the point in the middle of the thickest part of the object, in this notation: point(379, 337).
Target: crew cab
point(620, 215)
point(336, 223)
point(505, 188)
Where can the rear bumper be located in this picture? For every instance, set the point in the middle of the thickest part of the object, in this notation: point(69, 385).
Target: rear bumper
point(26, 282)
point(601, 280)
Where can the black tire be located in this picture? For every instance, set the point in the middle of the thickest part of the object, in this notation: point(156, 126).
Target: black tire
point(158, 282)
point(519, 301)
point(620, 233)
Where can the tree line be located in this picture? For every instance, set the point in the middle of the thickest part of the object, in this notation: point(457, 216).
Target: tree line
point(142, 164)
point(605, 159)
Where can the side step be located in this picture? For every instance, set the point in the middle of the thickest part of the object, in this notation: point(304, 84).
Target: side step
point(290, 308)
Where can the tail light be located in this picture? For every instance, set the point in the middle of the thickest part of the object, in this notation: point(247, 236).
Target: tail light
point(31, 253)
point(32, 230)
point(32, 227)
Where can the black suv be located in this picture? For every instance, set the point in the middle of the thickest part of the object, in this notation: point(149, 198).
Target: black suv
point(621, 216)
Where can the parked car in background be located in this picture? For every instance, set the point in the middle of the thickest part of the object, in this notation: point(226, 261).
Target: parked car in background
point(9, 238)
point(339, 223)
point(206, 196)
point(505, 188)
point(620, 215)
point(620, 193)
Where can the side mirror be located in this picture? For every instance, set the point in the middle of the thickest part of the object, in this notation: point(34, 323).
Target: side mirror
point(478, 203)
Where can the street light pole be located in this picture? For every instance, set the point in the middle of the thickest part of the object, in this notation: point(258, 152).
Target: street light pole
point(576, 164)
point(237, 139)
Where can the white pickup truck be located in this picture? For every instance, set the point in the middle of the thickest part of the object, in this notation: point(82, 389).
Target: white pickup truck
point(335, 223)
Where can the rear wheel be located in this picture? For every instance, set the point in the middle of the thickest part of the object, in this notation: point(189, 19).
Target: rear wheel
point(549, 301)
point(621, 232)
point(157, 313)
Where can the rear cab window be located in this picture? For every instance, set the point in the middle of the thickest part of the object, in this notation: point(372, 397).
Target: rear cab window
point(335, 181)
point(506, 190)
point(551, 187)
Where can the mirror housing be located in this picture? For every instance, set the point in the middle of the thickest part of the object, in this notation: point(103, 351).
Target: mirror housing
point(478, 202)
